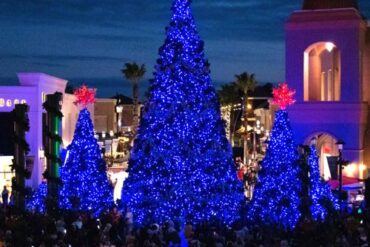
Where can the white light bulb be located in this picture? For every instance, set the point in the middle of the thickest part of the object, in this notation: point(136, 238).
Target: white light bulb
point(329, 46)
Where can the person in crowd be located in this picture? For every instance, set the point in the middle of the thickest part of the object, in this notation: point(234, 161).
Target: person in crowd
point(5, 196)
point(116, 229)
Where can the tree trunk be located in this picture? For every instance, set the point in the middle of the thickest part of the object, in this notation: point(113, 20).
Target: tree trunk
point(232, 125)
point(245, 136)
point(135, 88)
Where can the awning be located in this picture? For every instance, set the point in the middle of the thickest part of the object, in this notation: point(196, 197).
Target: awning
point(348, 183)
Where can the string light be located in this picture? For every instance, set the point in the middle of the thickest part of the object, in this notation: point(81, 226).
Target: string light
point(36, 203)
point(85, 185)
point(181, 165)
point(322, 200)
point(84, 96)
point(276, 199)
point(283, 96)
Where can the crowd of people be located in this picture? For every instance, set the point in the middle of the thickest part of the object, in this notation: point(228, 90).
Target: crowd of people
point(247, 174)
point(115, 228)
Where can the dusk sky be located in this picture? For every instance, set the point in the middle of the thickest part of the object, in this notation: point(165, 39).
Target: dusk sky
point(88, 41)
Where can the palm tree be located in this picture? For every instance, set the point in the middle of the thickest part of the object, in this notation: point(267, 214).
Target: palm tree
point(228, 97)
point(133, 72)
point(244, 84)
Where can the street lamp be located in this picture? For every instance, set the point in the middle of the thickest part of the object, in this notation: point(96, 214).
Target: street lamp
point(340, 165)
point(119, 109)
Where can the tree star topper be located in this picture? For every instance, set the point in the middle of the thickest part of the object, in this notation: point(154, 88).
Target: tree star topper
point(283, 96)
point(84, 96)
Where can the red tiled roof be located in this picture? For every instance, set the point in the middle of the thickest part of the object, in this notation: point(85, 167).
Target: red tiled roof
point(329, 4)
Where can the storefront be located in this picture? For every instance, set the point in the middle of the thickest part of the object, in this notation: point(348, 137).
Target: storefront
point(32, 89)
point(6, 173)
point(116, 152)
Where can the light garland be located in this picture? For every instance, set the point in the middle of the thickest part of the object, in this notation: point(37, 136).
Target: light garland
point(84, 96)
point(276, 199)
point(181, 165)
point(322, 200)
point(85, 185)
point(283, 96)
point(36, 203)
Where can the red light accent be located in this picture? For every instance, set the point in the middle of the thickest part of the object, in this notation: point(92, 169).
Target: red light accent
point(327, 150)
point(283, 96)
point(84, 96)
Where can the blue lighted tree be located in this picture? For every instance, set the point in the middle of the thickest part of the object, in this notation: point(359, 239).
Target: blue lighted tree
point(36, 202)
point(85, 185)
point(276, 199)
point(181, 165)
point(322, 200)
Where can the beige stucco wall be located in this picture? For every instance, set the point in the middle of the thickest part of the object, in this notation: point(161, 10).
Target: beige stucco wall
point(105, 115)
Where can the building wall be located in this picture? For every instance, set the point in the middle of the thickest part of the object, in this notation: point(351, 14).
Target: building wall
point(346, 119)
point(105, 116)
point(366, 90)
point(343, 28)
point(33, 88)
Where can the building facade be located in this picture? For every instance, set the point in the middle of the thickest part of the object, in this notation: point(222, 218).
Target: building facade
point(32, 89)
point(327, 63)
point(105, 117)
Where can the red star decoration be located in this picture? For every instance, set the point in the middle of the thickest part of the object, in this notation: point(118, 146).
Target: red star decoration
point(283, 96)
point(84, 96)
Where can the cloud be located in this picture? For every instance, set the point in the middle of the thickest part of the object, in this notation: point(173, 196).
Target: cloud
point(95, 37)
point(62, 58)
point(115, 37)
point(46, 64)
point(110, 86)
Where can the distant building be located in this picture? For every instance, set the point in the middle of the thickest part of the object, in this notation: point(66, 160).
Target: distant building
point(125, 109)
point(328, 64)
point(32, 89)
point(105, 117)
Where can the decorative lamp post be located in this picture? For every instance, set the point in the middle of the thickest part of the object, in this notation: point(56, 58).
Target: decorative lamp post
point(119, 109)
point(340, 165)
point(52, 143)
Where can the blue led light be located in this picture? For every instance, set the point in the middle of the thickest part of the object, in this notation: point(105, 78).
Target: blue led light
point(276, 199)
point(36, 203)
point(322, 200)
point(84, 178)
point(181, 165)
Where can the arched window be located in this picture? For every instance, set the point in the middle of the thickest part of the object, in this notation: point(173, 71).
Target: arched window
point(326, 148)
point(322, 72)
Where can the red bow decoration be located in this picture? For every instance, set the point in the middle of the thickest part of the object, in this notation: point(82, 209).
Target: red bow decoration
point(84, 96)
point(283, 96)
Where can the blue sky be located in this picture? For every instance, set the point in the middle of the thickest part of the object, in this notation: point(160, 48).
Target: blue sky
point(90, 40)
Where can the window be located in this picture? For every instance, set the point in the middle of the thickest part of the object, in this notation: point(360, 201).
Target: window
point(322, 72)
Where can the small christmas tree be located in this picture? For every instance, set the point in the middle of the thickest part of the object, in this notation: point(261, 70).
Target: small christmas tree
point(322, 200)
point(85, 183)
point(36, 202)
point(276, 200)
point(181, 165)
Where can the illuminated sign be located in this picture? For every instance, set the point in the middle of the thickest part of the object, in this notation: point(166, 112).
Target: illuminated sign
point(11, 102)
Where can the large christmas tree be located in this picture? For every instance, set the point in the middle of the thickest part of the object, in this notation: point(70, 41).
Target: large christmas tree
point(84, 179)
point(276, 200)
point(181, 165)
point(322, 200)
